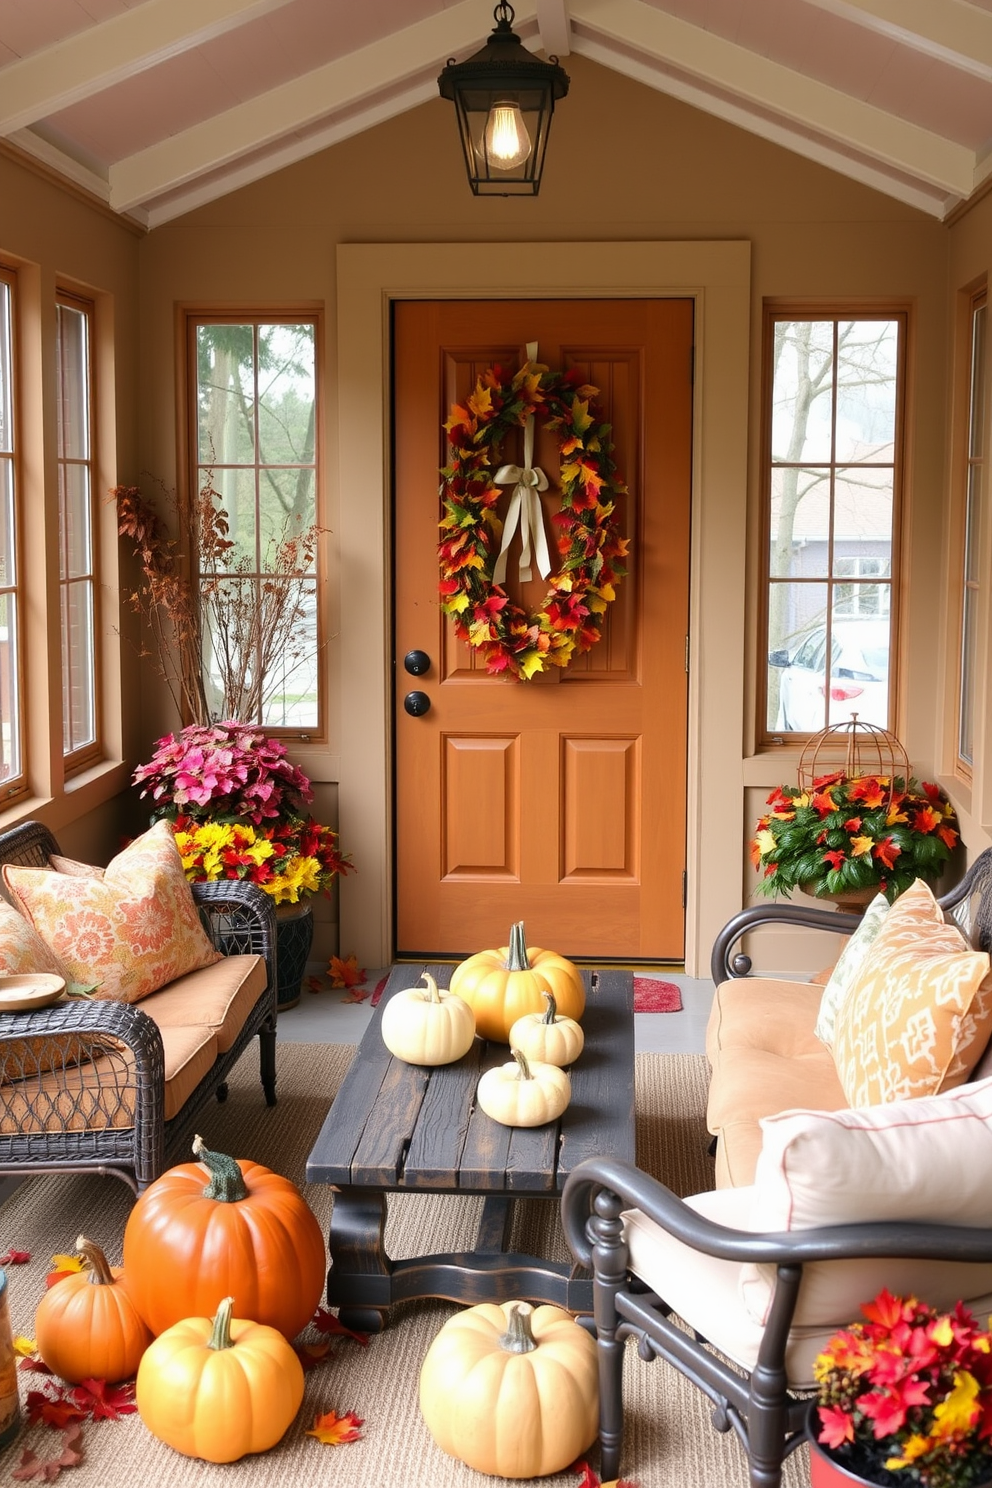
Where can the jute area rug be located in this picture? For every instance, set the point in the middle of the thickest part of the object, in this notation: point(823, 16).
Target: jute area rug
point(669, 1440)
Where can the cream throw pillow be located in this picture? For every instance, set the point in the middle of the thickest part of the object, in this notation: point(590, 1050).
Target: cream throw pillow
point(925, 1161)
point(127, 932)
point(917, 1015)
point(852, 958)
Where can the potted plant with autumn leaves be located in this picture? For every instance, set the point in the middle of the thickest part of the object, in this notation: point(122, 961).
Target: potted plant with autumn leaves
point(848, 838)
point(904, 1400)
point(236, 805)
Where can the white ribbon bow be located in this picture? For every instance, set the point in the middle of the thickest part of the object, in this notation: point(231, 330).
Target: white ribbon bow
point(525, 508)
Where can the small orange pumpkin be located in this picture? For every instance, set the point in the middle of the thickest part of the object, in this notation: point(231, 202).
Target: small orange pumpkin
point(503, 985)
point(249, 1234)
point(219, 1388)
point(87, 1326)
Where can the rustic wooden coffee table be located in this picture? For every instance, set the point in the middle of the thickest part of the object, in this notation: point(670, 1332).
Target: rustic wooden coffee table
point(400, 1128)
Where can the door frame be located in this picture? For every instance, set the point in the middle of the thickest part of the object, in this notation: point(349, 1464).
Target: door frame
point(716, 275)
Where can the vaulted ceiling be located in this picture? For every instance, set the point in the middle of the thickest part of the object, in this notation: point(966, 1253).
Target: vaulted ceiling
point(158, 106)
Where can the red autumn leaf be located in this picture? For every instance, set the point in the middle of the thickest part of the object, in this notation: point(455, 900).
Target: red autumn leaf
point(587, 1478)
point(312, 1354)
point(314, 984)
point(15, 1258)
point(332, 1430)
point(103, 1402)
point(355, 994)
point(346, 973)
point(329, 1322)
point(52, 1277)
point(38, 1366)
point(33, 1468)
point(51, 1411)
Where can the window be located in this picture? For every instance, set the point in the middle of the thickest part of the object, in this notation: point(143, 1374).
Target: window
point(77, 565)
point(11, 741)
point(833, 393)
point(970, 566)
point(255, 484)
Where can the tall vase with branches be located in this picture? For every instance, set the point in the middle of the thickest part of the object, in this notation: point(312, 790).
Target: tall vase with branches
point(223, 636)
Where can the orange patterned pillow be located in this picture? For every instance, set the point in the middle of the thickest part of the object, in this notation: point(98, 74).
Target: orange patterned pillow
point(917, 1017)
point(128, 932)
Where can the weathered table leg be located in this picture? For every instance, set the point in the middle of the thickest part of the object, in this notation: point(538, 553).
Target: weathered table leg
point(358, 1282)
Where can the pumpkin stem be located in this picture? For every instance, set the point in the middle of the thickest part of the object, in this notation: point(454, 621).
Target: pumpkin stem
point(519, 1336)
point(96, 1261)
point(521, 1059)
point(551, 1016)
point(433, 994)
point(227, 1183)
point(220, 1333)
point(517, 958)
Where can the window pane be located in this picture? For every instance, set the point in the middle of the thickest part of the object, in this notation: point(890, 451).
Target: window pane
point(77, 545)
point(6, 387)
point(74, 396)
point(286, 394)
point(966, 727)
point(975, 443)
point(866, 390)
point(863, 519)
point(8, 575)
point(226, 394)
point(802, 391)
point(800, 523)
point(78, 683)
point(291, 700)
point(231, 493)
point(797, 631)
point(971, 524)
point(10, 724)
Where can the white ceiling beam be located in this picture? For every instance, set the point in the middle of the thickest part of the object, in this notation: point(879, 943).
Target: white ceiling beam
point(88, 61)
point(674, 46)
point(347, 83)
point(952, 31)
point(553, 26)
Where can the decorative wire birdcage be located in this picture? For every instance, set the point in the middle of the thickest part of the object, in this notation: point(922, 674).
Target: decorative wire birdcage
point(856, 749)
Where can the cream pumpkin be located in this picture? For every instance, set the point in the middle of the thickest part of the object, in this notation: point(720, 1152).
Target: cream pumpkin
point(423, 1025)
point(548, 1037)
point(524, 1094)
point(502, 985)
point(512, 1390)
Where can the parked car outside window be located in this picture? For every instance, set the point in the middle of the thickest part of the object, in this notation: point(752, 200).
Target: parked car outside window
point(858, 679)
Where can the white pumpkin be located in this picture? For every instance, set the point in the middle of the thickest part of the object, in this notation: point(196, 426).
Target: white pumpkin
point(422, 1025)
point(524, 1094)
point(546, 1037)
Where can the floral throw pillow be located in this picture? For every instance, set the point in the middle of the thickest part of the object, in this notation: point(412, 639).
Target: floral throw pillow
point(126, 933)
point(917, 1016)
point(21, 947)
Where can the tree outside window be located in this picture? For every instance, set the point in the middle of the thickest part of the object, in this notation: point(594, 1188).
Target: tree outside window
point(256, 476)
point(834, 394)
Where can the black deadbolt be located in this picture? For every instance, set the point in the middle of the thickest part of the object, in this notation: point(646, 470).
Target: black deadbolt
point(417, 703)
point(417, 662)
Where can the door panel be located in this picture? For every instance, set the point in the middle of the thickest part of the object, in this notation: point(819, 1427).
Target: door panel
point(559, 801)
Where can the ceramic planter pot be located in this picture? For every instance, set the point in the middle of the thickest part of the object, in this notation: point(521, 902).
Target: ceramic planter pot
point(826, 1472)
point(294, 937)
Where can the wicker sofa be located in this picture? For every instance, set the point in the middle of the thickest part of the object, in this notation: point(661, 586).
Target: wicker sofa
point(114, 1087)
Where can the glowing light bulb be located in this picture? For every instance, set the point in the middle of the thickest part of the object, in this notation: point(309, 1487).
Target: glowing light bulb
point(507, 141)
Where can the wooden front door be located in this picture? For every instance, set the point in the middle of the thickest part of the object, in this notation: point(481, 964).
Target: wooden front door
point(559, 801)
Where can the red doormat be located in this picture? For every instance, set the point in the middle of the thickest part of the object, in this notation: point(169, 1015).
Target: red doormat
point(651, 995)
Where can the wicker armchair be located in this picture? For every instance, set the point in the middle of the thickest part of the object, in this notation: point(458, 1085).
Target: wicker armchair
point(82, 1083)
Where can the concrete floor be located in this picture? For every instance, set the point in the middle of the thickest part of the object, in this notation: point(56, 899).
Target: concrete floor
point(325, 1017)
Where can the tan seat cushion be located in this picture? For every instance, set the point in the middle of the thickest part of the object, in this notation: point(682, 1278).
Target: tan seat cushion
point(217, 997)
point(765, 1058)
point(95, 1097)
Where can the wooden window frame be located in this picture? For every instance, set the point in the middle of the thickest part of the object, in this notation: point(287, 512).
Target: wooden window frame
point(190, 318)
point(967, 464)
point(774, 309)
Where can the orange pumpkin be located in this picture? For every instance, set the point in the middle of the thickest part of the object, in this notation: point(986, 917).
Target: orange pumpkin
point(248, 1234)
point(219, 1388)
point(504, 985)
point(87, 1326)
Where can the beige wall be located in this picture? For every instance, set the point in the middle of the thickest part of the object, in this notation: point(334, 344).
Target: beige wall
point(625, 166)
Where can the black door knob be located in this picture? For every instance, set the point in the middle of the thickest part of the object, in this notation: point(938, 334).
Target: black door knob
point(417, 703)
point(417, 662)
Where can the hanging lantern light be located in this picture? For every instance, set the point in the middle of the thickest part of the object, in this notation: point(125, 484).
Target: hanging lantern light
point(504, 98)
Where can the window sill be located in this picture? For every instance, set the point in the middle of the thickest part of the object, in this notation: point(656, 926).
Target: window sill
point(82, 794)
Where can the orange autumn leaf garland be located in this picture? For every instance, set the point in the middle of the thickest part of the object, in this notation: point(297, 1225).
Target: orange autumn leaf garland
point(570, 619)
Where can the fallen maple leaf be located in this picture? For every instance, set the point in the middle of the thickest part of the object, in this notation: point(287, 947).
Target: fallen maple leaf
point(25, 1346)
point(355, 994)
point(52, 1277)
point(589, 1478)
point(345, 973)
point(51, 1410)
point(103, 1402)
point(67, 1263)
point(312, 1354)
point(332, 1429)
point(314, 984)
point(46, 1469)
point(329, 1322)
point(37, 1365)
point(15, 1258)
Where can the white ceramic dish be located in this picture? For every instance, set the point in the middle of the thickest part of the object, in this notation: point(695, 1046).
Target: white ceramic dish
point(20, 992)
